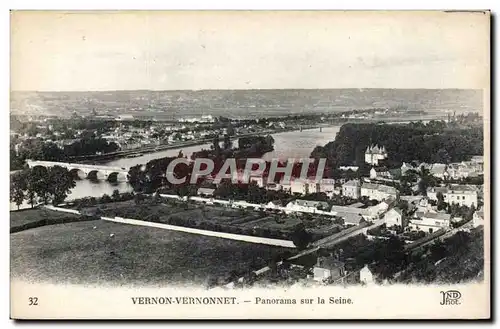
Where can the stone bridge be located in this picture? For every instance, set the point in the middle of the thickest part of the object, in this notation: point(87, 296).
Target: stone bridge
point(86, 171)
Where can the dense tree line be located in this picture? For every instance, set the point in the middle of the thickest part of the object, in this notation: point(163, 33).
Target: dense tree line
point(37, 149)
point(432, 142)
point(41, 185)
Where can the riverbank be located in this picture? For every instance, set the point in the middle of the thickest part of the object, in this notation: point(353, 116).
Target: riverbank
point(104, 158)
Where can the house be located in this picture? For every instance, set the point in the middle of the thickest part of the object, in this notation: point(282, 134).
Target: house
point(425, 206)
point(275, 204)
point(306, 206)
point(347, 168)
point(393, 217)
point(374, 154)
point(273, 186)
point(438, 170)
point(478, 218)
point(477, 159)
point(326, 185)
point(350, 218)
point(430, 222)
point(354, 215)
point(259, 180)
point(304, 186)
point(204, 191)
point(381, 173)
point(464, 169)
point(407, 166)
point(328, 269)
point(366, 276)
point(463, 195)
point(352, 189)
point(378, 191)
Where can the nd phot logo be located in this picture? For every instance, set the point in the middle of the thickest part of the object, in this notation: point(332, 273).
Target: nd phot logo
point(451, 297)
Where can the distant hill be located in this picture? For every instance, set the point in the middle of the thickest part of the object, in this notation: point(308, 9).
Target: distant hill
point(241, 103)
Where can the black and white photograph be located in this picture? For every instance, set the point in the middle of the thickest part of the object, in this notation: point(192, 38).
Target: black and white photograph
point(290, 164)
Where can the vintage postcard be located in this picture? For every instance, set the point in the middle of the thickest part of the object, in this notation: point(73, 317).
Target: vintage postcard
point(250, 165)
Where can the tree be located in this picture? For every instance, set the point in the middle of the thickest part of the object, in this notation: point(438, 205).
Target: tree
point(116, 195)
point(300, 237)
point(105, 198)
point(441, 156)
point(18, 188)
point(138, 198)
point(227, 142)
point(426, 180)
point(440, 201)
point(254, 194)
point(60, 183)
point(38, 184)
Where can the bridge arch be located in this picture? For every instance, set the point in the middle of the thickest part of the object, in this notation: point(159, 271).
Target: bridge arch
point(77, 173)
point(116, 176)
point(96, 175)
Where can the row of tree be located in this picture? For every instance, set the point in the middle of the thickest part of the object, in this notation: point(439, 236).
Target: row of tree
point(41, 185)
point(37, 149)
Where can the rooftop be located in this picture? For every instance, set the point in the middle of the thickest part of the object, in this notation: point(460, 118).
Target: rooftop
point(328, 263)
point(433, 215)
point(310, 203)
point(354, 183)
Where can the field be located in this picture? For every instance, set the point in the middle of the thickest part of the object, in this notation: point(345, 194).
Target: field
point(31, 218)
point(208, 217)
point(85, 253)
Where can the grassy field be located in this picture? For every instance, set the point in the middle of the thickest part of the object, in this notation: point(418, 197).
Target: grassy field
point(29, 218)
point(85, 253)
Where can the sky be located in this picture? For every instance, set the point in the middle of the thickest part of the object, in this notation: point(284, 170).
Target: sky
point(61, 51)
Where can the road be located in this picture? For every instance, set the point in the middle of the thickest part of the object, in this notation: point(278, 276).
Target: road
point(327, 242)
point(335, 239)
point(441, 237)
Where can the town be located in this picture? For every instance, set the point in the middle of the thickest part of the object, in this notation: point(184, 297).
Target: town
point(387, 210)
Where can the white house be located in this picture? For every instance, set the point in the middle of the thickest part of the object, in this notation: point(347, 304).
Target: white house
point(380, 173)
point(378, 191)
point(478, 218)
point(464, 169)
point(438, 170)
point(407, 166)
point(275, 204)
point(353, 215)
point(352, 189)
point(328, 269)
point(425, 206)
point(430, 222)
point(310, 185)
point(463, 195)
point(393, 217)
point(304, 186)
point(366, 276)
point(205, 191)
point(306, 206)
point(326, 185)
point(347, 168)
point(374, 154)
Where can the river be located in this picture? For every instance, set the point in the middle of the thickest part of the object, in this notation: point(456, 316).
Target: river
point(292, 144)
